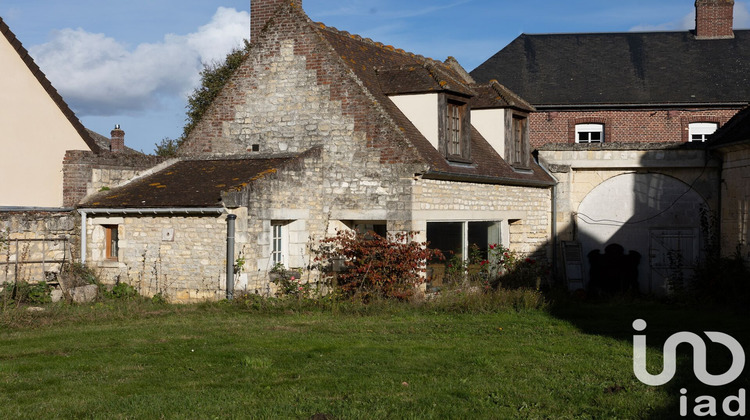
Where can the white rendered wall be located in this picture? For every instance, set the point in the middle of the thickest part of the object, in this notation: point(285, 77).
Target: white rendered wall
point(491, 125)
point(34, 135)
point(422, 111)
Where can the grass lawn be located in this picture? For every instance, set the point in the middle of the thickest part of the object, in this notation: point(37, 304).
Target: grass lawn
point(137, 360)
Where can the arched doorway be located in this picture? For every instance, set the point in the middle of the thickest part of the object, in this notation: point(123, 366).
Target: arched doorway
point(651, 214)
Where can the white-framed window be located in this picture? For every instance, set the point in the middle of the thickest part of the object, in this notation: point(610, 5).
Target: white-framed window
point(699, 131)
point(589, 133)
point(279, 243)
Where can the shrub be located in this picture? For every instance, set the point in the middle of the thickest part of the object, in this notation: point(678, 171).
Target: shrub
point(370, 266)
point(288, 282)
point(23, 292)
point(122, 291)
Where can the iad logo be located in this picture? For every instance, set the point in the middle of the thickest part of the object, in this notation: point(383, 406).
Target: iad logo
point(707, 403)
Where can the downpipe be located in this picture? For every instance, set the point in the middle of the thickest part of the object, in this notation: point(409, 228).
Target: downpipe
point(230, 255)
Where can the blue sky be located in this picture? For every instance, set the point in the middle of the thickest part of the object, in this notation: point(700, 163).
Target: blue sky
point(134, 62)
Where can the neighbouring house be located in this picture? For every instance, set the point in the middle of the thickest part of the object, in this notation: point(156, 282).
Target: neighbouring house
point(732, 142)
point(48, 163)
point(320, 130)
point(620, 122)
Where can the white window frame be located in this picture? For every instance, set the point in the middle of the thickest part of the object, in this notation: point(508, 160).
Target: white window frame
point(701, 130)
point(279, 243)
point(588, 130)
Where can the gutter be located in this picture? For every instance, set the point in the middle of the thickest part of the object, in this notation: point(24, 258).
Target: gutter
point(552, 107)
point(156, 211)
point(485, 179)
point(4, 209)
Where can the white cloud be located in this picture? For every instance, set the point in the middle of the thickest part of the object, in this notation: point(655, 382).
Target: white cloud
point(98, 75)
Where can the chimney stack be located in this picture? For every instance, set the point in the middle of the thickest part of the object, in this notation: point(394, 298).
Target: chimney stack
point(261, 11)
point(713, 19)
point(117, 140)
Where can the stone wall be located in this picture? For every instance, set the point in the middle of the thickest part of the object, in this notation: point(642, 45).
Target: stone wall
point(293, 93)
point(735, 201)
point(31, 243)
point(86, 172)
point(624, 126)
point(527, 209)
point(186, 265)
point(579, 170)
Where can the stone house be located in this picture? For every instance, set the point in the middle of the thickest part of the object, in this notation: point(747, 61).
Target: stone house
point(49, 161)
point(620, 122)
point(320, 130)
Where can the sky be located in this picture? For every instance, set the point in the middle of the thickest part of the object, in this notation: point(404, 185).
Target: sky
point(134, 63)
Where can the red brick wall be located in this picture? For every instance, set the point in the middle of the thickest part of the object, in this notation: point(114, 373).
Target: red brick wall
point(262, 10)
point(629, 126)
point(713, 18)
point(78, 165)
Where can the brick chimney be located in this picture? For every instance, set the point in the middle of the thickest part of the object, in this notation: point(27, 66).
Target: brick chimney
point(117, 140)
point(713, 19)
point(262, 10)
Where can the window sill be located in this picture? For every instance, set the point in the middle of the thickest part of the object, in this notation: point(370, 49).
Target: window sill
point(458, 159)
point(108, 264)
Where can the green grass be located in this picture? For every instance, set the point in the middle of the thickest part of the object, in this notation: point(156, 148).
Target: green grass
point(137, 360)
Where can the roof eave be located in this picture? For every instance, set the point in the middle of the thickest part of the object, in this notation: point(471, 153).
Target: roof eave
point(486, 179)
point(546, 107)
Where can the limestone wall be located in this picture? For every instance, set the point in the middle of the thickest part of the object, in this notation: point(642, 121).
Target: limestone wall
point(580, 171)
point(181, 257)
point(735, 190)
point(32, 243)
point(527, 209)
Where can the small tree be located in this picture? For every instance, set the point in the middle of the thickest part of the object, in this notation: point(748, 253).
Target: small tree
point(167, 147)
point(375, 266)
point(214, 77)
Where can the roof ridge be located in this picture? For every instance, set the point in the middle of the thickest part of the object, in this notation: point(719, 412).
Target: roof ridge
point(370, 41)
point(508, 95)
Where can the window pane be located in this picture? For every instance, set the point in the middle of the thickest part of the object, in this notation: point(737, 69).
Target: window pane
point(447, 237)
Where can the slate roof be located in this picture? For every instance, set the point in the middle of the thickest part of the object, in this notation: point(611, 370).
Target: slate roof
point(190, 183)
point(385, 70)
point(45, 83)
point(623, 69)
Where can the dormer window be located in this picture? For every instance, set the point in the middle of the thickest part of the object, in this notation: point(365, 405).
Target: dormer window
point(453, 128)
point(589, 133)
point(455, 133)
point(518, 156)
